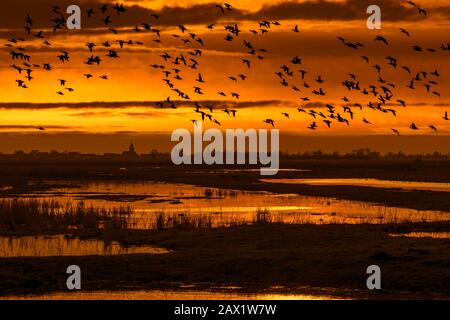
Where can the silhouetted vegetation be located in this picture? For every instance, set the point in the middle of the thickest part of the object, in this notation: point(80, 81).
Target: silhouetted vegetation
point(182, 221)
point(262, 216)
point(164, 157)
point(363, 153)
point(39, 214)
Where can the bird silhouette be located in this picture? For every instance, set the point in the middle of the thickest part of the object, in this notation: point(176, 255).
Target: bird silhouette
point(377, 93)
point(199, 78)
point(119, 8)
point(422, 11)
point(382, 39)
point(405, 32)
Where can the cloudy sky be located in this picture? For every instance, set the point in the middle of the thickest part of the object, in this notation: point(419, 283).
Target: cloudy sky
point(126, 105)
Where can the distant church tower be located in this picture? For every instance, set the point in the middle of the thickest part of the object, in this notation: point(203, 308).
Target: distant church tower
point(131, 151)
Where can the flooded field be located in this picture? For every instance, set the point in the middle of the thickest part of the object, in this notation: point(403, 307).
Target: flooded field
point(49, 246)
point(375, 183)
point(172, 295)
point(431, 235)
point(223, 207)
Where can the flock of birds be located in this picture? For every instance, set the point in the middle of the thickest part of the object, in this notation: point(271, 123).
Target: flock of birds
point(174, 64)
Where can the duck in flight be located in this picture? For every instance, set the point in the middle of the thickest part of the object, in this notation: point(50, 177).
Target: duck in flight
point(270, 121)
point(200, 78)
point(232, 31)
point(313, 126)
point(382, 39)
point(405, 32)
point(119, 8)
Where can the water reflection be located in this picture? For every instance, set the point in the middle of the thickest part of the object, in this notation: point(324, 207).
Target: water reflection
point(433, 235)
point(172, 295)
point(48, 246)
point(228, 207)
point(375, 183)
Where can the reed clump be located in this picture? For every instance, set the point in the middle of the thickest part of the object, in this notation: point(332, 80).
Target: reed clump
point(263, 216)
point(52, 215)
point(182, 221)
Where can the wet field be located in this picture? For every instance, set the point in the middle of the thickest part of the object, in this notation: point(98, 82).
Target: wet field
point(224, 234)
point(225, 207)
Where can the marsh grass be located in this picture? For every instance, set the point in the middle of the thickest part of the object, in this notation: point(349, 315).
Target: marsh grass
point(35, 214)
point(219, 193)
point(50, 214)
point(164, 220)
point(182, 221)
point(263, 216)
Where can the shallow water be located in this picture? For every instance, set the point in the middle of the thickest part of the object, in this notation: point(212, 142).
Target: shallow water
point(433, 235)
point(375, 183)
point(49, 246)
point(228, 207)
point(171, 295)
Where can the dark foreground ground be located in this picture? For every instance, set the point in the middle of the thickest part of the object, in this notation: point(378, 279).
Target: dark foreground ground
point(255, 258)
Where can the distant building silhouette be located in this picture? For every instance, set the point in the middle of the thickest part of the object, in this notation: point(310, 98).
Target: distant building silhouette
point(131, 151)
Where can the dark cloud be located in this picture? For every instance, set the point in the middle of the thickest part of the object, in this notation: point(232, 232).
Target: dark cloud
point(88, 109)
point(41, 11)
point(443, 11)
point(126, 104)
point(92, 113)
point(330, 10)
point(29, 127)
point(76, 105)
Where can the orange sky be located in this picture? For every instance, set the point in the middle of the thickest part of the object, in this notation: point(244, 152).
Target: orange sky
point(131, 79)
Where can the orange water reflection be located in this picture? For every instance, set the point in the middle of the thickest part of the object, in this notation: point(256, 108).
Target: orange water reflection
point(172, 295)
point(433, 235)
point(229, 207)
point(375, 183)
point(48, 246)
